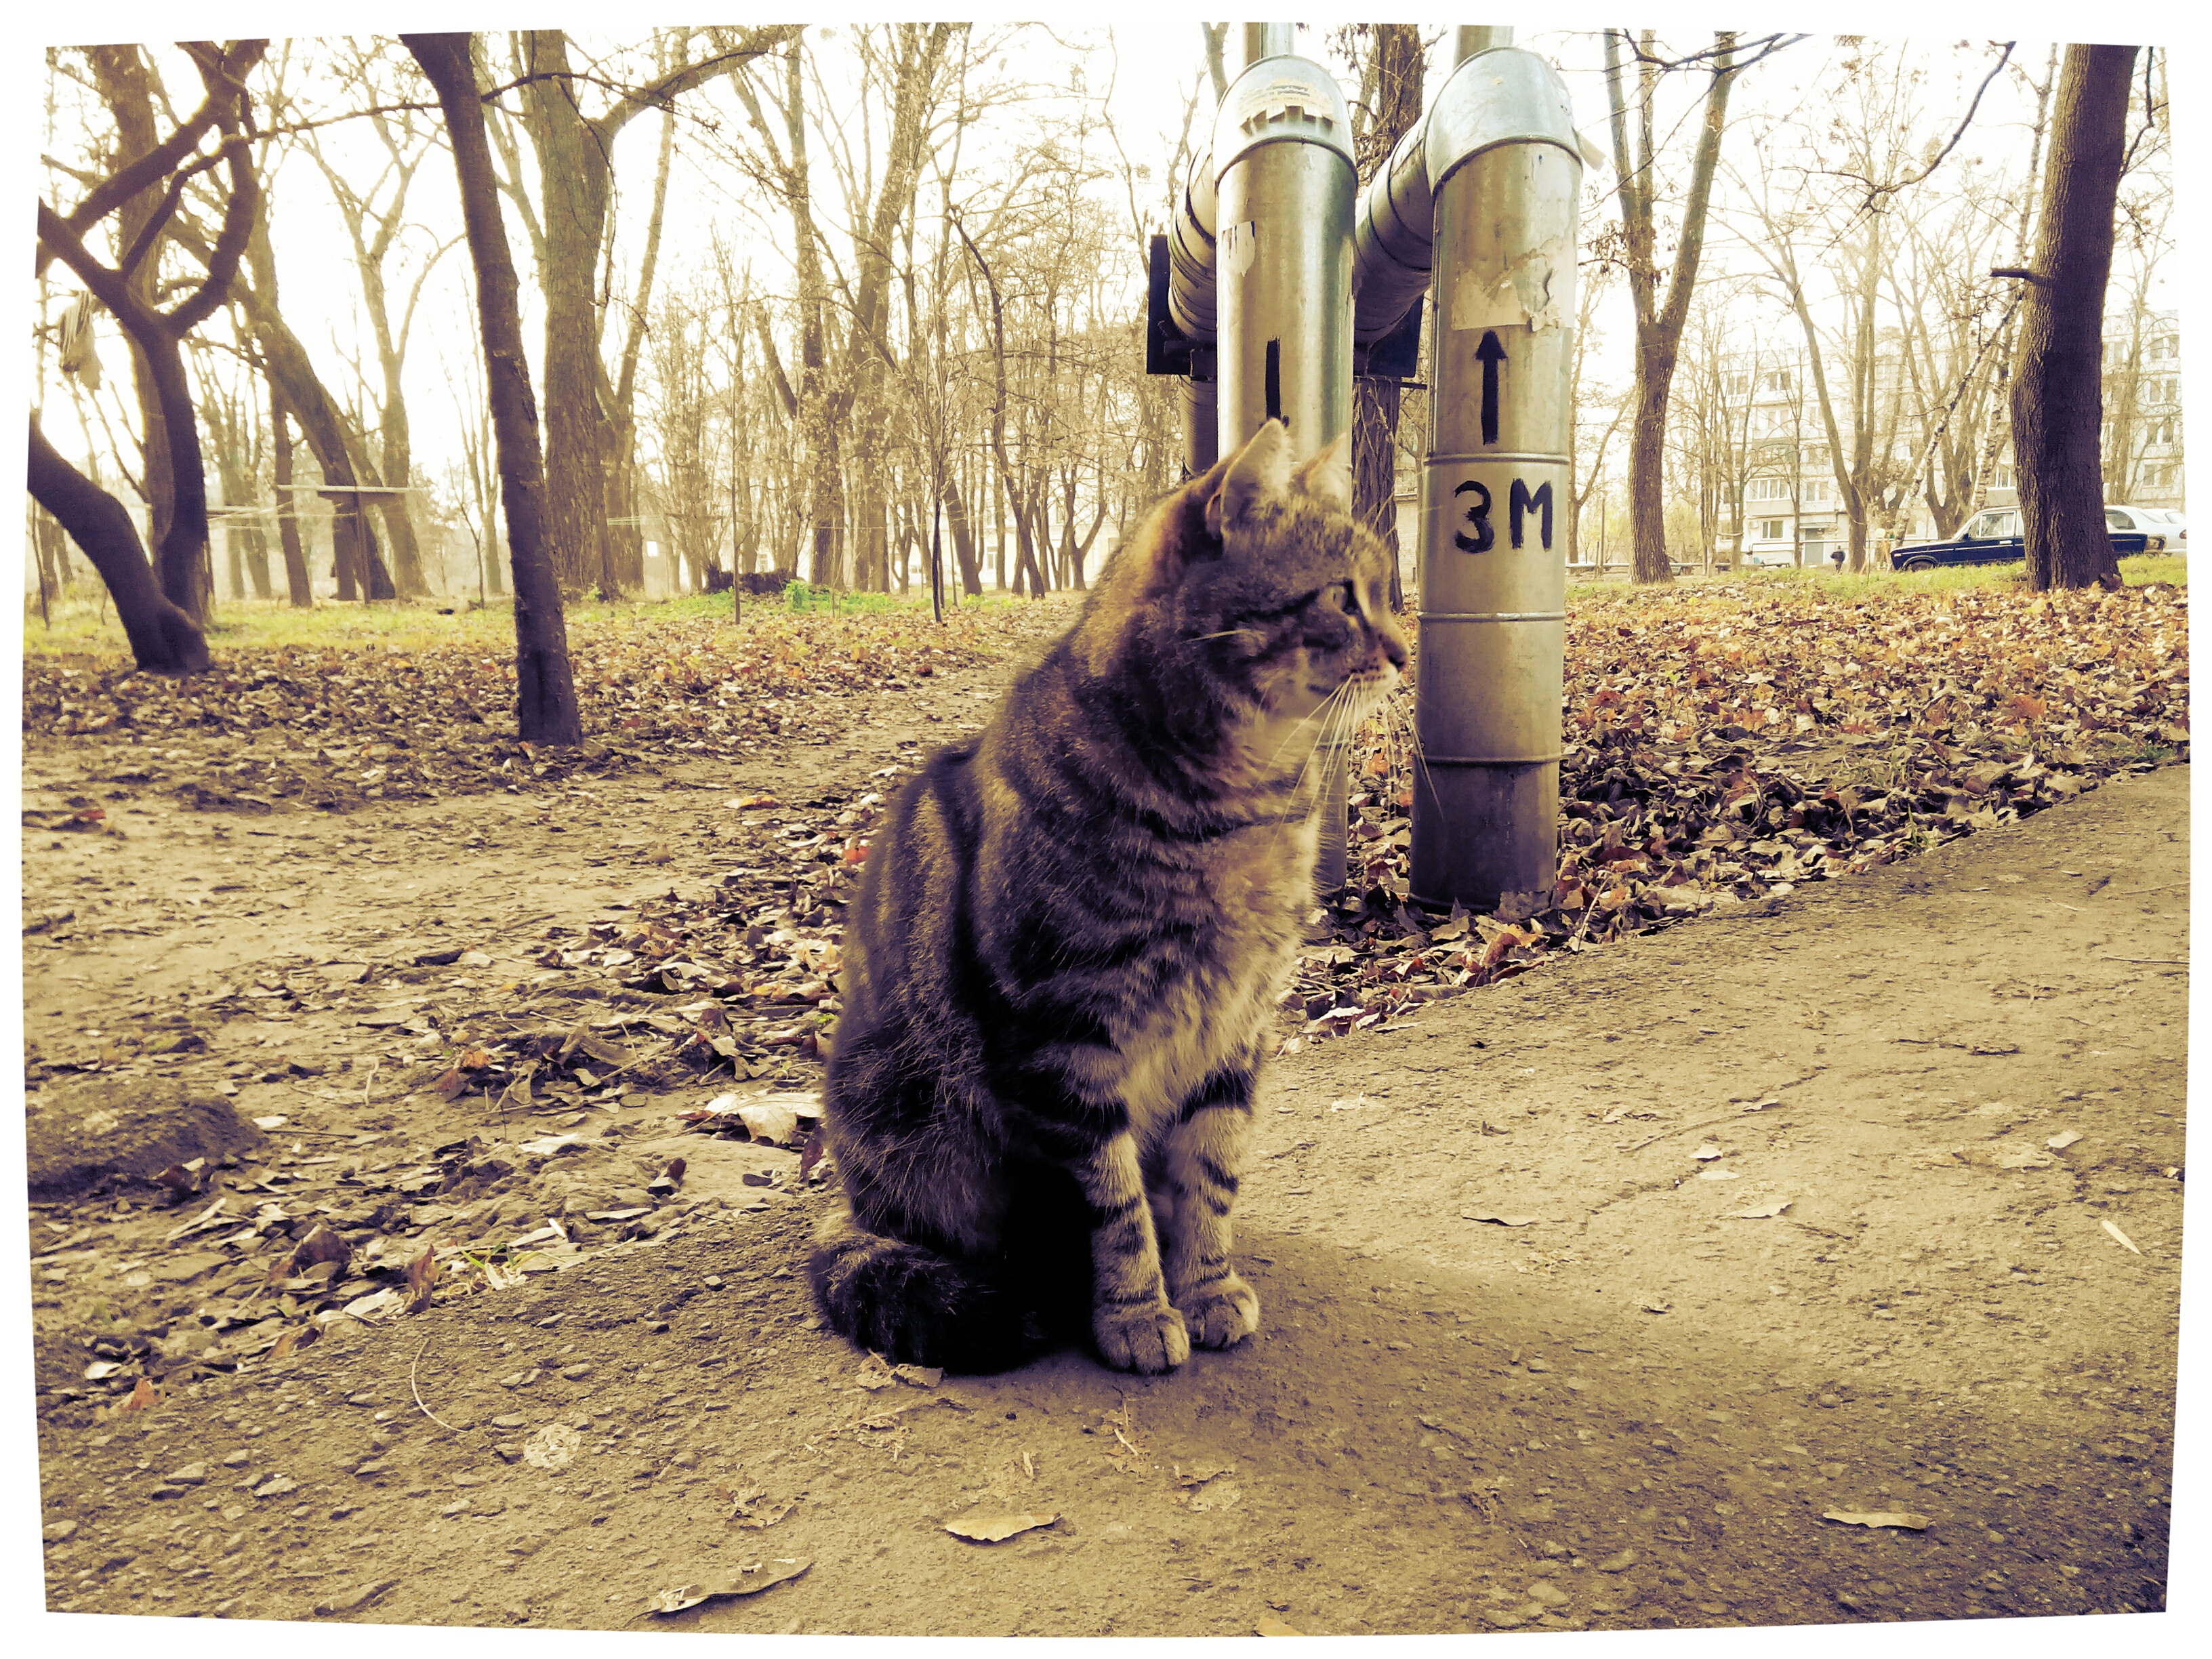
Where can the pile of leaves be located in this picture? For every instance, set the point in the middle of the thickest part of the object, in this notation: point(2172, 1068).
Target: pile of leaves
point(335, 729)
point(1725, 745)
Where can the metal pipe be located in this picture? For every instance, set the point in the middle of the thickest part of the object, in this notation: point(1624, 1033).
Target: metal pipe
point(1191, 253)
point(1285, 187)
point(1469, 39)
point(1200, 428)
point(1504, 169)
point(1390, 238)
point(1257, 42)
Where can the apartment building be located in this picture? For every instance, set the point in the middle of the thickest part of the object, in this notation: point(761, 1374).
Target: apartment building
point(1774, 458)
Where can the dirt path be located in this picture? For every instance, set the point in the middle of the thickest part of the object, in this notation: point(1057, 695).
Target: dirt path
point(1446, 1423)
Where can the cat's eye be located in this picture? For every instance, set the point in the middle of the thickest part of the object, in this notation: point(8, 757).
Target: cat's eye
point(1347, 596)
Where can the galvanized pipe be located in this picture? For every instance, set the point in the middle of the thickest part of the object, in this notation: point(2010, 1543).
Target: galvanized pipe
point(1256, 42)
point(1191, 253)
point(1390, 238)
point(1201, 427)
point(1469, 39)
point(1503, 168)
point(1285, 186)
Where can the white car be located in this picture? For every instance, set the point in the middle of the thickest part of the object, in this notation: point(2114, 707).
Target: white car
point(2167, 531)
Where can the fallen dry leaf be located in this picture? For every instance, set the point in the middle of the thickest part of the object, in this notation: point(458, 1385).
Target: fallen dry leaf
point(2063, 1139)
point(747, 1509)
point(292, 1340)
point(143, 1398)
point(552, 1447)
point(422, 1280)
point(1878, 1518)
point(874, 1372)
point(746, 1581)
point(318, 1246)
point(1271, 1626)
point(2113, 1228)
point(1764, 1211)
point(995, 1528)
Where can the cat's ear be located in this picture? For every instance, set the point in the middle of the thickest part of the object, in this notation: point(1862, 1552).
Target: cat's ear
point(1328, 476)
point(1262, 467)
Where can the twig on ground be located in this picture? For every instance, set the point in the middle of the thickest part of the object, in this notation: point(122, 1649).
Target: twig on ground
point(417, 1392)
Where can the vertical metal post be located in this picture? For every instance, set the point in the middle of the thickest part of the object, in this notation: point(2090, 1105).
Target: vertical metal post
point(1285, 186)
point(1201, 421)
point(1504, 171)
point(1469, 39)
point(1188, 298)
point(1259, 41)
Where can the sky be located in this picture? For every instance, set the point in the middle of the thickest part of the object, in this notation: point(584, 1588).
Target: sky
point(1153, 61)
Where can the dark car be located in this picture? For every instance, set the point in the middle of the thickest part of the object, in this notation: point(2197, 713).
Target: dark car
point(1993, 536)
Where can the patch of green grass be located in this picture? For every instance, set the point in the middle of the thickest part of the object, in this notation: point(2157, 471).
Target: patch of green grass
point(87, 626)
point(2154, 568)
point(1869, 584)
point(79, 625)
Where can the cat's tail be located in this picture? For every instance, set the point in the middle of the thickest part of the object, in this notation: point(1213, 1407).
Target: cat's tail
point(915, 1306)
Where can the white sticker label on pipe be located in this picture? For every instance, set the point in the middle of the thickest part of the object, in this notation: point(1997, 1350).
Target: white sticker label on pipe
point(1240, 246)
point(1480, 303)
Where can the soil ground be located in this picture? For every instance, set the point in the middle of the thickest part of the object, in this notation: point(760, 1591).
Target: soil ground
point(1590, 1300)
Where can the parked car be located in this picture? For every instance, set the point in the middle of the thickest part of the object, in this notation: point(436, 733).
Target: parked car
point(2168, 530)
point(1994, 536)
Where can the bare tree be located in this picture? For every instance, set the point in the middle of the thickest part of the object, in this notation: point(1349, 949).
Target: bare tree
point(2057, 401)
point(177, 482)
point(545, 691)
point(1659, 318)
point(908, 73)
point(576, 170)
point(1391, 61)
point(374, 222)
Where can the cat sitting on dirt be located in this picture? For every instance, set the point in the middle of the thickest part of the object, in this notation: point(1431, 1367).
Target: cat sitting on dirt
point(1070, 935)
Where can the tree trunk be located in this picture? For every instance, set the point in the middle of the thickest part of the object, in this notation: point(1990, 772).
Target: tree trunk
point(963, 535)
point(576, 172)
point(1659, 326)
point(164, 639)
point(546, 691)
point(300, 587)
point(397, 465)
point(125, 83)
point(2058, 400)
point(1397, 66)
point(574, 175)
point(304, 397)
point(51, 543)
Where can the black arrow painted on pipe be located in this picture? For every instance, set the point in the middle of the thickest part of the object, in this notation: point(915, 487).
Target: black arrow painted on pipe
point(1490, 354)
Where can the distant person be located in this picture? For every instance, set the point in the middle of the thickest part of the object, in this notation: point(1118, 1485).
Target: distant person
point(1835, 558)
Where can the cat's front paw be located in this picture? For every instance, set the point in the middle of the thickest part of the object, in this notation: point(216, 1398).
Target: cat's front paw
point(1148, 1338)
point(1221, 1314)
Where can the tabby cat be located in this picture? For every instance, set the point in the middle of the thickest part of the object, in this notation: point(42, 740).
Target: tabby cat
point(1070, 935)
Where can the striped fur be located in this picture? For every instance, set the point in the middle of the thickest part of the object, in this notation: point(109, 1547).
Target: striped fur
point(1069, 937)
